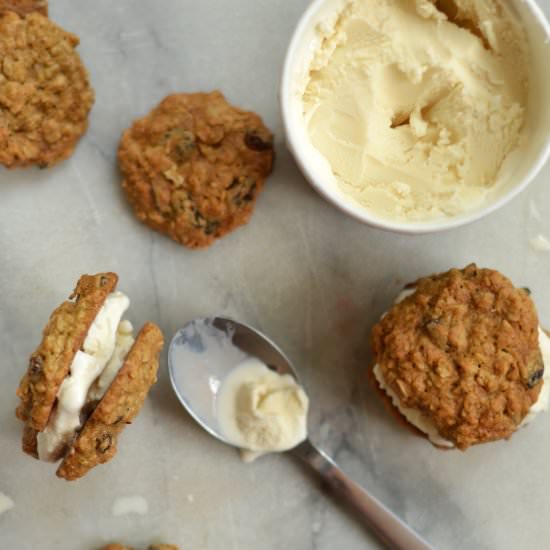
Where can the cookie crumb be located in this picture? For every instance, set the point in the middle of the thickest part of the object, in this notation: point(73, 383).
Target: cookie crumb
point(6, 503)
point(131, 505)
point(540, 243)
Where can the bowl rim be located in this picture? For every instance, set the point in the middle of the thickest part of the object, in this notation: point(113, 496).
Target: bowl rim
point(355, 210)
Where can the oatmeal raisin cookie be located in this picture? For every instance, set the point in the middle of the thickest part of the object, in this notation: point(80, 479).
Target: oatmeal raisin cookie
point(194, 166)
point(45, 93)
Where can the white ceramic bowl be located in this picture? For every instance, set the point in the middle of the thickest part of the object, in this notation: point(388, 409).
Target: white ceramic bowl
point(525, 162)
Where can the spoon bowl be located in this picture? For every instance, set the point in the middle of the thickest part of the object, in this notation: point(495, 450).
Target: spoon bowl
point(204, 352)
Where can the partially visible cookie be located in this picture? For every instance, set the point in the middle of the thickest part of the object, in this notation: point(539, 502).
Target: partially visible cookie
point(96, 442)
point(62, 337)
point(194, 166)
point(45, 93)
point(151, 547)
point(24, 7)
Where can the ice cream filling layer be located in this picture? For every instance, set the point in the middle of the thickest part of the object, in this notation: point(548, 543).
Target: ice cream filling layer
point(261, 411)
point(93, 369)
point(543, 401)
point(416, 104)
point(417, 418)
point(426, 425)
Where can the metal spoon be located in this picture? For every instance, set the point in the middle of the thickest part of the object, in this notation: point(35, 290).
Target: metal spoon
point(199, 358)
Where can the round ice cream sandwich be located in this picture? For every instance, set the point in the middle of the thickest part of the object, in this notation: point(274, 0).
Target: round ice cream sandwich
point(87, 379)
point(460, 357)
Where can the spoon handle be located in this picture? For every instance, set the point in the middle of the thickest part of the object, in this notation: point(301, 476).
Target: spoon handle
point(395, 534)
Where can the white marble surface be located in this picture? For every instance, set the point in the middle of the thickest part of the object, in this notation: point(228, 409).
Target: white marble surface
point(311, 278)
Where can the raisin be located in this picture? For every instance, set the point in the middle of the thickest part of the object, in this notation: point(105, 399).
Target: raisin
point(255, 142)
point(233, 184)
point(534, 378)
point(35, 364)
point(247, 191)
point(87, 411)
point(211, 227)
point(251, 193)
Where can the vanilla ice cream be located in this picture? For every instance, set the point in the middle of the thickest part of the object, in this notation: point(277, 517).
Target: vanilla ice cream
point(416, 104)
point(105, 347)
point(261, 411)
point(123, 343)
point(426, 425)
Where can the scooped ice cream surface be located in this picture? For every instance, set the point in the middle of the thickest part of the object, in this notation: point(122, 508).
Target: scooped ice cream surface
point(416, 104)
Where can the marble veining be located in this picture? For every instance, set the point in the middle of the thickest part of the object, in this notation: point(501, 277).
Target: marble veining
point(303, 273)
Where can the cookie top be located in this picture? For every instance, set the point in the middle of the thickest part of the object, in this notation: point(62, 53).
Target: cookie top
point(62, 337)
point(45, 95)
point(464, 350)
point(194, 166)
point(24, 7)
point(96, 442)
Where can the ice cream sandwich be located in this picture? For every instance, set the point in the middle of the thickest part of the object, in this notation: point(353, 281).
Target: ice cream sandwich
point(87, 379)
point(461, 358)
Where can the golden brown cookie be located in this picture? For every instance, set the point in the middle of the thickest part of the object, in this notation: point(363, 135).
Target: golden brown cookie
point(116, 546)
point(45, 94)
point(194, 166)
point(96, 442)
point(63, 336)
point(463, 349)
point(24, 7)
